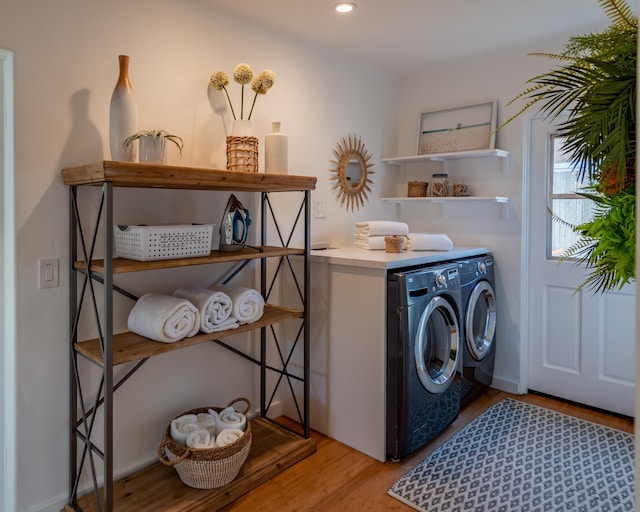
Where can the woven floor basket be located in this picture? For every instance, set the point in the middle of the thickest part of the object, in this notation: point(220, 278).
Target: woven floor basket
point(242, 154)
point(206, 468)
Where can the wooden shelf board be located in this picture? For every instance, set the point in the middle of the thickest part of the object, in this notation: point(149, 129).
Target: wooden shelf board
point(123, 265)
point(129, 346)
point(126, 174)
point(158, 488)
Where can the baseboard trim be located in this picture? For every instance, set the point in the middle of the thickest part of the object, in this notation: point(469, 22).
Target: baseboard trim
point(508, 386)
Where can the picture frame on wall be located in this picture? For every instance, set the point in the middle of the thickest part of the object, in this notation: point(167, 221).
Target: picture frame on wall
point(458, 129)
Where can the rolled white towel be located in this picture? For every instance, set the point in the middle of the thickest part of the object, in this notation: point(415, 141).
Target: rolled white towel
point(229, 418)
point(164, 318)
point(182, 426)
point(229, 323)
point(206, 419)
point(375, 243)
point(212, 432)
point(381, 228)
point(214, 306)
point(199, 439)
point(228, 436)
point(429, 242)
point(248, 304)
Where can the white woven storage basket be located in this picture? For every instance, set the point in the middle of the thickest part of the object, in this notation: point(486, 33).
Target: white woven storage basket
point(146, 243)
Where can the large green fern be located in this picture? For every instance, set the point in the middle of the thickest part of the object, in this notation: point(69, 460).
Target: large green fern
point(607, 243)
point(596, 86)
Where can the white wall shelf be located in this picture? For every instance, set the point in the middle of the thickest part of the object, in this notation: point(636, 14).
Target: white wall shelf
point(455, 155)
point(444, 201)
point(445, 158)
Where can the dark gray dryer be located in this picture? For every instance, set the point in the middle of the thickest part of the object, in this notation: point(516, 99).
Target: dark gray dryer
point(423, 355)
point(477, 283)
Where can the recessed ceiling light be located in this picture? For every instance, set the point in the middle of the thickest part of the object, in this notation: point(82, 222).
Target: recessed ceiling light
point(345, 7)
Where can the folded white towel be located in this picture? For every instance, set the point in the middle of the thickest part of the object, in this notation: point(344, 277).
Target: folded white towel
point(229, 418)
point(214, 306)
point(381, 228)
point(164, 318)
point(183, 426)
point(248, 304)
point(228, 436)
point(375, 243)
point(199, 439)
point(428, 242)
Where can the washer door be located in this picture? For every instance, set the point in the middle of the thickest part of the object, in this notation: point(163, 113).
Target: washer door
point(436, 347)
point(480, 320)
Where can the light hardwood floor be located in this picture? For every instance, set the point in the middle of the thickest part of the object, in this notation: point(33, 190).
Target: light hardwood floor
point(338, 478)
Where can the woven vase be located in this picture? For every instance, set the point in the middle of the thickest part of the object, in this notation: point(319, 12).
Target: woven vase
point(242, 147)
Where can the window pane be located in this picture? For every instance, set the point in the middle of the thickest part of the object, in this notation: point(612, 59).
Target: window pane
point(574, 212)
point(564, 179)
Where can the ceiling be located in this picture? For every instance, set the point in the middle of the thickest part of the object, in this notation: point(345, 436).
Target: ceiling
point(403, 34)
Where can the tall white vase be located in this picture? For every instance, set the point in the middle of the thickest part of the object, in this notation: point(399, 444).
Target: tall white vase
point(122, 115)
point(276, 151)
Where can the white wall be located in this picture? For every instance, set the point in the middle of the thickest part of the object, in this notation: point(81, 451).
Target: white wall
point(65, 70)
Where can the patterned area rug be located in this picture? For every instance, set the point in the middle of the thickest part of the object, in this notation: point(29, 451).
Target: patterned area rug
point(524, 458)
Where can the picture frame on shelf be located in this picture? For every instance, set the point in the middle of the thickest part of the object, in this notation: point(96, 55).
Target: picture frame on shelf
point(458, 129)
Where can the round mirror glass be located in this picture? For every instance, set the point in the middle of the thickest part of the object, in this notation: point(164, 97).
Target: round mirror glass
point(352, 172)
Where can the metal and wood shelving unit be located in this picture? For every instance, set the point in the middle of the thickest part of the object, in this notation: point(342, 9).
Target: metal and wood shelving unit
point(275, 446)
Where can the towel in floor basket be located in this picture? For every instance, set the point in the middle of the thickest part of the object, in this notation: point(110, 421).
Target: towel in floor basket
point(206, 468)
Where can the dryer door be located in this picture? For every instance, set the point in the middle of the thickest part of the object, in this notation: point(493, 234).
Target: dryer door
point(436, 348)
point(480, 320)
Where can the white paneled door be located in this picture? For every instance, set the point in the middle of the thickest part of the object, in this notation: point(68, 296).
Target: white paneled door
point(581, 343)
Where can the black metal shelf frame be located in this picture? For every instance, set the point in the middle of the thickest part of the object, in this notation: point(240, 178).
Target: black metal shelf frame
point(83, 449)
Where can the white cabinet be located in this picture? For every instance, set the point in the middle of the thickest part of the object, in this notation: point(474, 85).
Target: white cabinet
point(445, 159)
point(349, 340)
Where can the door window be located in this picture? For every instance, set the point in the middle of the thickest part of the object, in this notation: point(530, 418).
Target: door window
point(568, 208)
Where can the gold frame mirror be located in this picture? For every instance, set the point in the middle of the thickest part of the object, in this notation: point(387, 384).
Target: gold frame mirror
point(352, 174)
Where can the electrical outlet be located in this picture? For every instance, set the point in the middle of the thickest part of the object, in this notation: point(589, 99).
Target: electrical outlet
point(48, 272)
point(320, 209)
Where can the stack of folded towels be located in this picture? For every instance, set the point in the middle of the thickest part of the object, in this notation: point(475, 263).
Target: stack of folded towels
point(170, 318)
point(209, 429)
point(370, 235)
point(428, 242)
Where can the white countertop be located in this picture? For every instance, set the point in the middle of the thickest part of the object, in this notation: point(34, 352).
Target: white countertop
point(357, 257)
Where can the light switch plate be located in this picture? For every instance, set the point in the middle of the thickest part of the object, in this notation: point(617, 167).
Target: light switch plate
point(48, 273)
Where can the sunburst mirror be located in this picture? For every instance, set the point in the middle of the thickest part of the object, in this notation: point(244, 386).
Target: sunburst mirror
point(351, 172)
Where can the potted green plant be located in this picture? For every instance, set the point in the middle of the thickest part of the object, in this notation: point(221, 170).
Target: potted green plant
point(152, 145)
point(596, 87)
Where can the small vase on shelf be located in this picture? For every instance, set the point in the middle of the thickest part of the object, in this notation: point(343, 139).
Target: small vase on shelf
point(122, 115)
point(152, 150)
point(276, 151)
point(242, 147)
